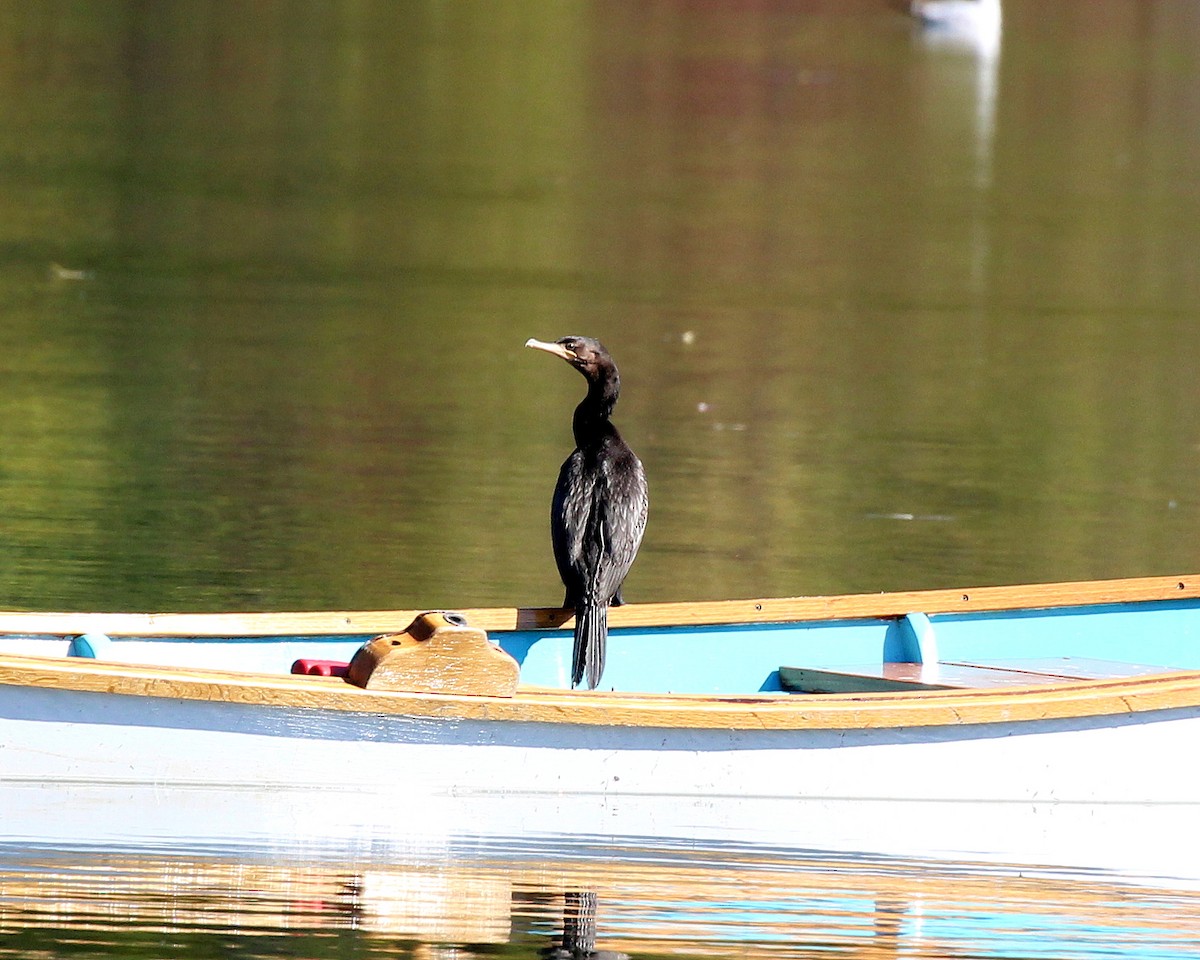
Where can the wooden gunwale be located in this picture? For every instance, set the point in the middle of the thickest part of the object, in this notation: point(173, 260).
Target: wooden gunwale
point(1156, 692)
point(687, 613)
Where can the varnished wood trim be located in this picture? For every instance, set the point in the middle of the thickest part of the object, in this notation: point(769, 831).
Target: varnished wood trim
point(752, 712)
point(699, 613)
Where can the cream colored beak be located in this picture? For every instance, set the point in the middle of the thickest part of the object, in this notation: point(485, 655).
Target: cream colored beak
point(555, 348)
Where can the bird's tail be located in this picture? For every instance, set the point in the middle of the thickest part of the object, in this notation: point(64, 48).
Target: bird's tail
point(591, 634)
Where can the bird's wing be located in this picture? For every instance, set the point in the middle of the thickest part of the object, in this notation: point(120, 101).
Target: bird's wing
point(597, 519)
point(618, 517)
point(569, 512)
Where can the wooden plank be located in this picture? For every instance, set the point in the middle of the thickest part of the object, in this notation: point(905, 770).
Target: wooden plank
point(916, 676)
point(701, 613)
point(595, 708)
point(889, 605)
point(865, 680)
point(435, 655)
point(1066, 668)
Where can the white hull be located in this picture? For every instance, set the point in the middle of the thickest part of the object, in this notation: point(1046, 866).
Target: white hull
point(1113, 793)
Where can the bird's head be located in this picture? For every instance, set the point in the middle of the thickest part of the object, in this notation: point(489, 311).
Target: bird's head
point(585, 354)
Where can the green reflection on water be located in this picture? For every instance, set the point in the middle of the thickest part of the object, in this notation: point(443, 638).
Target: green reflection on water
point(888, 314)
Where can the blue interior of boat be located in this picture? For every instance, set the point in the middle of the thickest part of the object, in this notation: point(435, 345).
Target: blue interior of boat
point(741, 659)
point(737, 659)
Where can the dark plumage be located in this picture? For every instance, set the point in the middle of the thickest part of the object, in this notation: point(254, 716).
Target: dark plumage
point(599, 508)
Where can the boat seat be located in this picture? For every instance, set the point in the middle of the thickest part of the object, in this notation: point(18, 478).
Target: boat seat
point(955, 675)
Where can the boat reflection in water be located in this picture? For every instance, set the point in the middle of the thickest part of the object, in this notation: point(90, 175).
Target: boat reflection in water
point(585, 902)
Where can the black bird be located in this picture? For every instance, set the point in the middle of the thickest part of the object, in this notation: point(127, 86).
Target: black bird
point(599, 508)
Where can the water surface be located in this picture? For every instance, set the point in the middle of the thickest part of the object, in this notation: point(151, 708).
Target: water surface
point(892, 312)
point(523, 902)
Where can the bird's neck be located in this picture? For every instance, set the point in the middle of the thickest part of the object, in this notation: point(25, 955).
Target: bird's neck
point(591, 421)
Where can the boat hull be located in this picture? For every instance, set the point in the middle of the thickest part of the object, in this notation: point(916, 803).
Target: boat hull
point(1049, 726)
point(1106, 792)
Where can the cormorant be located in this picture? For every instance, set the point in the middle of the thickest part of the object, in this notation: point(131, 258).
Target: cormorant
point(599, 507)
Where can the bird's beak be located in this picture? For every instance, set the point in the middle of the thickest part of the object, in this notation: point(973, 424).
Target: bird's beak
point(555, 348)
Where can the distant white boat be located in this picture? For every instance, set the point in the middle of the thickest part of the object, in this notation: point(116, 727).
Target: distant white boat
point(981, 17)
point(963, 38)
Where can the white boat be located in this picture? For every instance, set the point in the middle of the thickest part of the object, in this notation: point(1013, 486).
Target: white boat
point(1050, 725)
point(979, 17)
